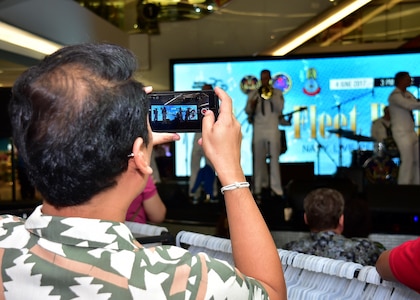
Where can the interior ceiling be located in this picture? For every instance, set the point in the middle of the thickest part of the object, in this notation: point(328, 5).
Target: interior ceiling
point(249, 27)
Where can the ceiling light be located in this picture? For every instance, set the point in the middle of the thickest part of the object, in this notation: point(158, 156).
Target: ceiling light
point(317, 25)
point(34, 46)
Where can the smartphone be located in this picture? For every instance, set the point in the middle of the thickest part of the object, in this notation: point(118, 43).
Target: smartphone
point(181, 111)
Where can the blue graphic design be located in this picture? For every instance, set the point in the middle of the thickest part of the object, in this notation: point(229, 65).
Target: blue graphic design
point(353, 91)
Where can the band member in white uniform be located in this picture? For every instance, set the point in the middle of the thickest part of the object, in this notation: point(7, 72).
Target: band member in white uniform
point(381, 133)
point(264, 109)
point(401, 105)
point(381, 126)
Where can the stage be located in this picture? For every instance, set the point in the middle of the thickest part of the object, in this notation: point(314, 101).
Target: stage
point(377, 208)
point(373, 208)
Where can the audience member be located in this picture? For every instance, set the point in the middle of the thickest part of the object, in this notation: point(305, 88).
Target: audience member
point(401, 264)
point(80, 122)
point(147, 206)
point(401, 104)
point(155, 168)
point(324, 208)
point(201, 178)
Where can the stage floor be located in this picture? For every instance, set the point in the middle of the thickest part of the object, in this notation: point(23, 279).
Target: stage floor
point(385, 208)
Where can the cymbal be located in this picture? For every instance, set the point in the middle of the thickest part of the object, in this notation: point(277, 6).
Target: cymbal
point(340, 131)
point(358, 138)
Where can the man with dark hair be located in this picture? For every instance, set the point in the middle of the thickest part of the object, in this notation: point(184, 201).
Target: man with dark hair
point(324, 215)
point(401, 104)
point(80, 122)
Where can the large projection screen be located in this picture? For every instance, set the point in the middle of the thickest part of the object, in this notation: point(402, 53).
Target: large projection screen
point(346, 92)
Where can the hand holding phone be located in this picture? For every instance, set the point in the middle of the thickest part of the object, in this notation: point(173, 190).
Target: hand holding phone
point(181, 111)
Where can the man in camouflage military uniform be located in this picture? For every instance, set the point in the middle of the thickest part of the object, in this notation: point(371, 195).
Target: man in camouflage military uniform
point(80, 123)
point(324, 214)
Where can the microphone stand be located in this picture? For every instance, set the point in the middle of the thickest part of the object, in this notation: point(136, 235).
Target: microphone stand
point(320, 146)
point(268, 162)
point(340, 144)
point(244, 120)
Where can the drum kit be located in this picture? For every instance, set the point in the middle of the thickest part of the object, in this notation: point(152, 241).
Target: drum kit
point(378, 165)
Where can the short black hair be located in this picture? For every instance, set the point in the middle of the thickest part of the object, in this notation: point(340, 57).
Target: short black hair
point(75, 117)
point(266, 71)
point(399, 76)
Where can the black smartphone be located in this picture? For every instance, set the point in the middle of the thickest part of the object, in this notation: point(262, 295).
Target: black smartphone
point(180, 111)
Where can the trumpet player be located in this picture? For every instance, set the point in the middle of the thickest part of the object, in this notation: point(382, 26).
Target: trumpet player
point(264, 109)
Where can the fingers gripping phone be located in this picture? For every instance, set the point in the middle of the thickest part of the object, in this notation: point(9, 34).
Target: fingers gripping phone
point(180, 111)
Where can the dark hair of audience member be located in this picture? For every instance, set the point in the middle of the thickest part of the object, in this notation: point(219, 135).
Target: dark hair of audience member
point(69, 164)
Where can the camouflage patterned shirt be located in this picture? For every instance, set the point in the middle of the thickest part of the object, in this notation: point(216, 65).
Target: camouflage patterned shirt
point(336, 246)
point(77, 258)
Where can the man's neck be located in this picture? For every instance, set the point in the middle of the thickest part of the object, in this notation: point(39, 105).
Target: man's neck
point(111, 204)
point(93, 209)
point(335, 230)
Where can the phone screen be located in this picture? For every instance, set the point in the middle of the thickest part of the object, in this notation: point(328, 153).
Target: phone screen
point(180, 111)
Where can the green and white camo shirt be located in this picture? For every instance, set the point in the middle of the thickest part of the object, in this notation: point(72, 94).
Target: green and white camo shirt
point(49, 257)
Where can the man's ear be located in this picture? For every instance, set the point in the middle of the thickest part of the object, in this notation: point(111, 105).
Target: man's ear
point(305, 218)
point(340, 226)
point(141, 156)
point(341, 221)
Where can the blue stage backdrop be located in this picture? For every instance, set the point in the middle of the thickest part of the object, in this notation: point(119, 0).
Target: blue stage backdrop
point(346, 92)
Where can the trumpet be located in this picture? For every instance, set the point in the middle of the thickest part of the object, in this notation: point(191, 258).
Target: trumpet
point(266, 92)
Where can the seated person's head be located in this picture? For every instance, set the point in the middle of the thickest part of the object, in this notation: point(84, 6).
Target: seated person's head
point(324, 208)
point(75, 117)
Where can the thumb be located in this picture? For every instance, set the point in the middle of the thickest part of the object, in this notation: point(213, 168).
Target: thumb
point(207, 122)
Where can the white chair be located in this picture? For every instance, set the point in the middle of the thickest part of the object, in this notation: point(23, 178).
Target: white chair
point(391, 240)
point(310, 276)
point(150, 235)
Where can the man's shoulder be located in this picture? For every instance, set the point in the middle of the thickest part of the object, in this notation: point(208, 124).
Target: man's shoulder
point(252, 93)
point(12, 228)
point(395, 92)
point(277, 92)
point(10, 220)
point(367, 243)
point(299, 243)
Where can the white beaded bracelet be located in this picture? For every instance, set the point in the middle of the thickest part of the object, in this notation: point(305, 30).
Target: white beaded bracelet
point(234, 186)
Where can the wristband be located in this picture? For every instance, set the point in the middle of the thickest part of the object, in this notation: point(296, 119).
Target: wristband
point(234, 186)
